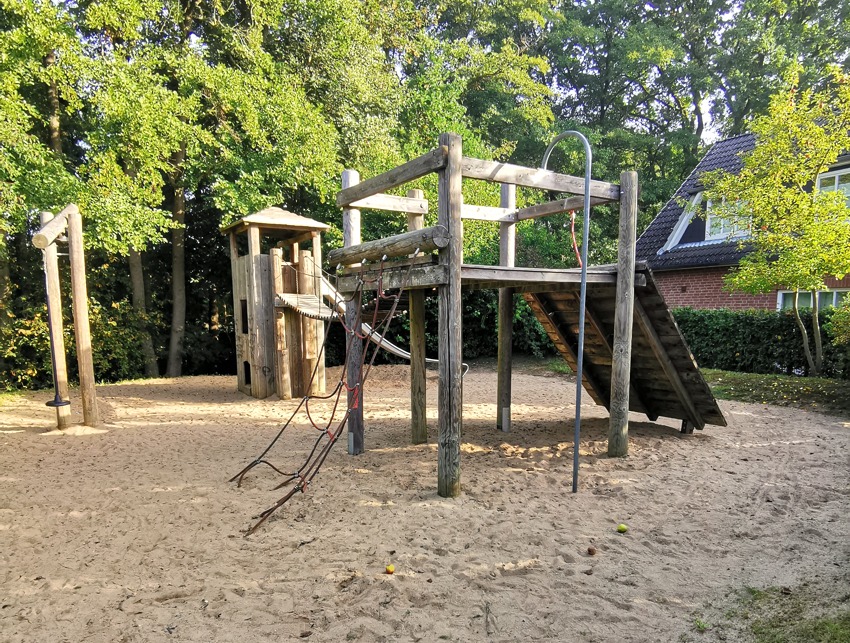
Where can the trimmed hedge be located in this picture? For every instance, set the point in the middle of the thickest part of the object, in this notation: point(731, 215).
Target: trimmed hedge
point(758, 341)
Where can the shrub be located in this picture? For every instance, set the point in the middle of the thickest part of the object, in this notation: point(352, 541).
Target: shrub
point(757, 341)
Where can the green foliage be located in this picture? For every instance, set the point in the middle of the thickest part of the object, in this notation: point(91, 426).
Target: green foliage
point(754, 341)
point(839, 325)
point(25, 352)
point(798, 235)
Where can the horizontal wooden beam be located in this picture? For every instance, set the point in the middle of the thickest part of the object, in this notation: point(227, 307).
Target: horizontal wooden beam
point(392, 203)
point(424, 240)
point(301, 238)
point(53, 228)
point(517, 276)
point(487, 213)
point(408, 278)
point(556, 207)
point(535, 178)
point(410, 171)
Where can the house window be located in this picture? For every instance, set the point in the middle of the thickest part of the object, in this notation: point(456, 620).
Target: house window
point(724, 227)
point(826, 298)
point(839, 181)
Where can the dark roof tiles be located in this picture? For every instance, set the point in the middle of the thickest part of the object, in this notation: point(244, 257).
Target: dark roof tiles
point(725, 154)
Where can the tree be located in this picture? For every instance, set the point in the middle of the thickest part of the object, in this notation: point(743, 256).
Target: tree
point(798, 234)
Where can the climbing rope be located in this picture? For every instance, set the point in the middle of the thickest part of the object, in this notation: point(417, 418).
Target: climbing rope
point(329, 432)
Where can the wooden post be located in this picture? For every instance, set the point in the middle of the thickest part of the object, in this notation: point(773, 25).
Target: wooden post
point(237, 311)
point(310, 351)
point(57, 337)
point(82, 331)
point(354, 345)
point(320, 325)
point(618, 430)
point(507, 257)
point(262, 375)
point(293, 332)
point(281, 354)
point(450, 400)
point(418, 399)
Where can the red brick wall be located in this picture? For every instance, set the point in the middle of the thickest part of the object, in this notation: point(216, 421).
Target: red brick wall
point(703, 288)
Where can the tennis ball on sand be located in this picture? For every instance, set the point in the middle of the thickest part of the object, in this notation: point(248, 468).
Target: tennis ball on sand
point(622, 528)
point(391, 569)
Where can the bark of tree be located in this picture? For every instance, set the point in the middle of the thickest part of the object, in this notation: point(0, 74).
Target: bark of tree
point(54, 131)
point(807, 349)
point(178, 269)
point(137, 281)
point(816, 332)
point(5, 293)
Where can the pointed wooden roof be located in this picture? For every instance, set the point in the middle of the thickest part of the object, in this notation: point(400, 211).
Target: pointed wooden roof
point(276, 222)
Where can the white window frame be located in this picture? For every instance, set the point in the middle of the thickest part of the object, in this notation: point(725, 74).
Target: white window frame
point(835, 292)
point(736, 233)
point(682, 224)
point(834, 174)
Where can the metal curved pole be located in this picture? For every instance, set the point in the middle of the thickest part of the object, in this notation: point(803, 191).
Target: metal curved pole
point(588, 161)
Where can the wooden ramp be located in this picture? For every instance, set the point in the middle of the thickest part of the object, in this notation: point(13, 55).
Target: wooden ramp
point(665, 379)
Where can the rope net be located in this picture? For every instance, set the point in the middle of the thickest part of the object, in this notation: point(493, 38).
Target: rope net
point(328, 432)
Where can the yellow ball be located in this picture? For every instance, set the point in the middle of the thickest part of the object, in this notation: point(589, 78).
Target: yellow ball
point(390, 569)
point(622, 528)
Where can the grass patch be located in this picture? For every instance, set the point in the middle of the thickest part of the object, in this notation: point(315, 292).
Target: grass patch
point(6, 397)
point(781, 616)
point(812, 393)
point(559, 366)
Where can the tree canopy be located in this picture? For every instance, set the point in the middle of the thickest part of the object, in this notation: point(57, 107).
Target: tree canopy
point(798, 235)
point(164, 119)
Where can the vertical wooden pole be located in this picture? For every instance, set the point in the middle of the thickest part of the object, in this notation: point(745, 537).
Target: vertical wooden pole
point(281, 354)
point(320, 325)
point(450, 399)
point(507, 257)
point(257, 317)
point(237, 313)
point(350, 237)
point(293, 332)
point(82, 331)
point(57, 337)
point(310, 352)
point(618, 430)
point(418, 399)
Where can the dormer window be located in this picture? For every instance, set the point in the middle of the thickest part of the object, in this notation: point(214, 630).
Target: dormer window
point(718, 228)
point(837, 181)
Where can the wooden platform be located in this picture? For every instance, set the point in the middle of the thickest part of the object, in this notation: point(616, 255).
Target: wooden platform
point(665, 379)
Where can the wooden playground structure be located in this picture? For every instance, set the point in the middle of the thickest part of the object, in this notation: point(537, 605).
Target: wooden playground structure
point(635, 360)
point(46, 239)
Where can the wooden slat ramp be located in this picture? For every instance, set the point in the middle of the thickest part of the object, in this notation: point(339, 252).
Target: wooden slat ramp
point(307, 305)
point(665, 379)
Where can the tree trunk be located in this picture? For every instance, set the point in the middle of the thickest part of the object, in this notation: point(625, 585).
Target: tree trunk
point(54, 131)
point(5, 293)
point(818, 365)
point(137, 281)
point(178, 270)
point(806, 347)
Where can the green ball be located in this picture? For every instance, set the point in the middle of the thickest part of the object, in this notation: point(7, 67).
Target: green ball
point(622, 528)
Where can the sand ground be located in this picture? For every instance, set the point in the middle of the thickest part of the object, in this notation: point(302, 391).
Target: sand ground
point(134, 534)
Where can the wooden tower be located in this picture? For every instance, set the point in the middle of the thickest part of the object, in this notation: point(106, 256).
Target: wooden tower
point(277, 349)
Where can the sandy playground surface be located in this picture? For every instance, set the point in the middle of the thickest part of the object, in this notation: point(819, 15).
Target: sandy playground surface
point(134, 534)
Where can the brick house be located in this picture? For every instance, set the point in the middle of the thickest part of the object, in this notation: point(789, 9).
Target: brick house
point(689, 255)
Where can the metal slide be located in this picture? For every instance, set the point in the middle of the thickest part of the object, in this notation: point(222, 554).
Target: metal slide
point(336, 299)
